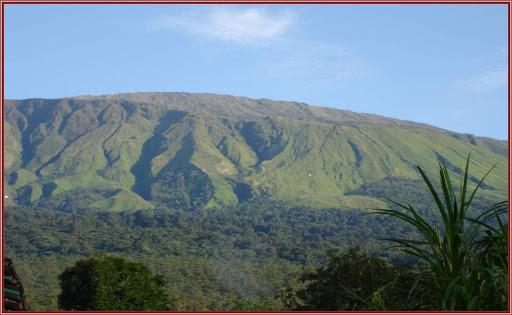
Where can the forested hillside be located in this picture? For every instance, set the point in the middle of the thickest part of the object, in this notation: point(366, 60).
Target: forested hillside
point(229, 198)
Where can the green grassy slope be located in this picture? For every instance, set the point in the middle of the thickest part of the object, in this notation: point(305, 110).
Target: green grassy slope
point(142, 150)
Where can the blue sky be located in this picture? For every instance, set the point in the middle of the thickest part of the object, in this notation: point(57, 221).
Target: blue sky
point(444, 65)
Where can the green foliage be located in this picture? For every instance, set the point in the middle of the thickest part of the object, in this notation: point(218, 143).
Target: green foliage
point(111, 283)
point(249, 231)
point(187, 188)
point(491, 258)
point(208, 257)
point(256, 304)
point(464, 267)
point(354, 280)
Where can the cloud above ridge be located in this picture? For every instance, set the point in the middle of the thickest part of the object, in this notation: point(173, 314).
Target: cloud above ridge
point(484, 82)
point(242, 26)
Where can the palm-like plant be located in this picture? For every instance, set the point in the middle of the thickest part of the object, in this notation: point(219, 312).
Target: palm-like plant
point(454, 251)
point(492, 260)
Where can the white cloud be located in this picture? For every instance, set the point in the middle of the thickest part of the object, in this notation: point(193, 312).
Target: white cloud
point(286, 57)
point(245, 26)
point(483, 82)
point(320, 60)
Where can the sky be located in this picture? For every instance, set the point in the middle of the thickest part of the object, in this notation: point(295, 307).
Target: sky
point(444, 65)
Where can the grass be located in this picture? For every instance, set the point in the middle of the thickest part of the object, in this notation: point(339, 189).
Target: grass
point(123, 201)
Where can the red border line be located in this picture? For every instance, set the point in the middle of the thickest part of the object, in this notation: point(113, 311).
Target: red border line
point(291, 2)
point(261, 312)
point(509, 155)
point(2, 159)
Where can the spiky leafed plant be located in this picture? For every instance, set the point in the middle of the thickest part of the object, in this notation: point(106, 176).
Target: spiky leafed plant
point(492, 262)
point(453, 251)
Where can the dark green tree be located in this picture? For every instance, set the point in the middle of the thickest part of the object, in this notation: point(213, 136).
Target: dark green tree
point(354, 280)
point(112, 283)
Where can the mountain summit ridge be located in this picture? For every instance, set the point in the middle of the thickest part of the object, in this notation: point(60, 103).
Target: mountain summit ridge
point(290, 109)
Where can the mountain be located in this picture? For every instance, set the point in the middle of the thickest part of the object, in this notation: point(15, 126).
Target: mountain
point(187, 151)
point(232, 196)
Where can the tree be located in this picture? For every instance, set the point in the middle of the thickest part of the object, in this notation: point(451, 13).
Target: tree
point(111, 283)
point(354, 280)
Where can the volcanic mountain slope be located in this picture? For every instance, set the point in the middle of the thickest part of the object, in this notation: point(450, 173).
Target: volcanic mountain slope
point(141, 150)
